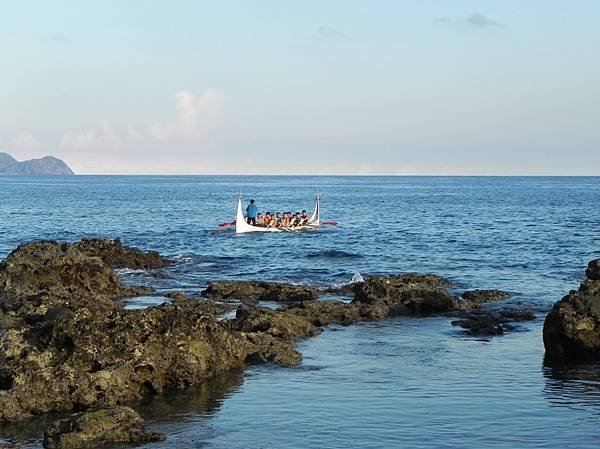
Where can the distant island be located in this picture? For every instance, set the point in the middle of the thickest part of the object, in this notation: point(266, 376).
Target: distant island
point(47, 165)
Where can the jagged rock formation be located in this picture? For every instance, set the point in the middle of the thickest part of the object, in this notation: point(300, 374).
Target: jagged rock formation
point(572, 328)
point(114, 254)
point(66, 342)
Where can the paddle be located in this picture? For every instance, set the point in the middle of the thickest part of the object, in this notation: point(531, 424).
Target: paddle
point(226, 225)
point(330, 223)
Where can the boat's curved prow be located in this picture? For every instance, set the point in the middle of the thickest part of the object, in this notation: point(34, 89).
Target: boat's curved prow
point(242, 227)
point(315, 218)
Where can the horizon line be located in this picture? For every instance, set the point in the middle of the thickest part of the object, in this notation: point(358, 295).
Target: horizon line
point(362, 175)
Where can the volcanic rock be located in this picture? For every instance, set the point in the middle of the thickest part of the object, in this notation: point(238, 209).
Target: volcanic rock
point(114, 254)
point(407, 294)
point(277, 323)
point(91, 359)
point(486, 323)
point(67, 343)
point(484, 296)
point(39, 275)
point(572, 328)
point(267, 348)
point(593, 270)
point(115, 425)
point(265, 291)
point(324, 313)
point(178, 296)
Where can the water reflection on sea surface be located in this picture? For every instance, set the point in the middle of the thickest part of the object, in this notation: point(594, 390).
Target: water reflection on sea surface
point(575, 386)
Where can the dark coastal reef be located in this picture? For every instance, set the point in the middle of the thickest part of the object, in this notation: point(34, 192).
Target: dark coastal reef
point(572, 328)
point(68, 344)
point(254, 291)
point(487, 323)
point(116, 255)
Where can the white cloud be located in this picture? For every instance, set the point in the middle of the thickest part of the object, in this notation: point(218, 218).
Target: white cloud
point(475, 20)
point(197, 115)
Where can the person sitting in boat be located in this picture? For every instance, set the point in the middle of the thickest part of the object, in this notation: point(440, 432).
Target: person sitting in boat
point(260, 220)
point(297, 220)
point(292, 222)
point(251, 212)
point(285, 220)
point(267, 219)
point(275, 221)
point(304, 218)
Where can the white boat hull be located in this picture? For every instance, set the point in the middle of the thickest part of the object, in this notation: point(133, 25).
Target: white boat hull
point(242, 227)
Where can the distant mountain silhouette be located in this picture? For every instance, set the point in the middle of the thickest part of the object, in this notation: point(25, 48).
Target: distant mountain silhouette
point(47, 165)
point(6, 160)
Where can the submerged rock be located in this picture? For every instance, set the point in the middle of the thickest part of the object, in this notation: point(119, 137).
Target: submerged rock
point(265, 291)
point(487, 323)
point(484, 296)
point(115, 425)
point(572, 328)
point(116, 255)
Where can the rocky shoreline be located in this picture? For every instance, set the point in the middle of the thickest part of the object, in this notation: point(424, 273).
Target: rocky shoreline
point(67, 344)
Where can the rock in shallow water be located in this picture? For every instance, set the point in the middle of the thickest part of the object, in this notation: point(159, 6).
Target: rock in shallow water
point(486, 323)
point(572, 328)
point(484, 296)
point(407, 294)
point(115, 425)
point(273, 322)
point(264, 291)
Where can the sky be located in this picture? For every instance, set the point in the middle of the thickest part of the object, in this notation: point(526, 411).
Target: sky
point(422, 87)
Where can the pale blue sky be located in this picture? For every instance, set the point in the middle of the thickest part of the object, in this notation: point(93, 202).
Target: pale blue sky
point(352, 87)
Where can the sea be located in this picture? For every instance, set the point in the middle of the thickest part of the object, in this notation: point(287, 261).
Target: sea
point(399, 383)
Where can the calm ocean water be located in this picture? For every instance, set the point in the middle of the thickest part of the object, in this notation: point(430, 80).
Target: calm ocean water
point(403, 382)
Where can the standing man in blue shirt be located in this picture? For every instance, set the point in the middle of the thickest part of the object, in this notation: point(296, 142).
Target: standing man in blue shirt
point(251, 212)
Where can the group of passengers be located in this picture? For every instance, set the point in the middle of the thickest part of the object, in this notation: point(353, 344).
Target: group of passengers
point(283, 220)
